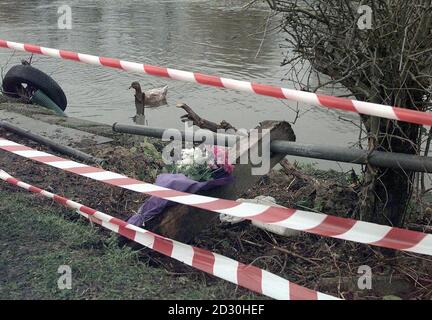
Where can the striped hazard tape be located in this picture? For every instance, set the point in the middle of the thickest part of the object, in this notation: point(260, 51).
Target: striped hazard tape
point(246, 276)
point(316, 223)
point(361, 107)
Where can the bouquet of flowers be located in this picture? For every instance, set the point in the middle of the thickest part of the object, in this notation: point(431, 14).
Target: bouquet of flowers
point(202, 164)
point(199, 170)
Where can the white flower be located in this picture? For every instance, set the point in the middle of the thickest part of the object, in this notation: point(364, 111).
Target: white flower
point(200, 156)
point(186, 162)
point(188, 152)
point(194, 156)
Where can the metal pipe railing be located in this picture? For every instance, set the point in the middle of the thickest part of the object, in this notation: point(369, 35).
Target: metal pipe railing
point(324, 152)
point(69, 151)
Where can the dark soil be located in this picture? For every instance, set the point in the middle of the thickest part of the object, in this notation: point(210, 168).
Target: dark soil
point(324, 264)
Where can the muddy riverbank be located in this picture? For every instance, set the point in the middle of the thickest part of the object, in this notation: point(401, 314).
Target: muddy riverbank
point(324, 264)
point(211, 37)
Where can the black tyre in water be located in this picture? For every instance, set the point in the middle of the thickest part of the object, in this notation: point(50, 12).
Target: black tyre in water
point(26, 74)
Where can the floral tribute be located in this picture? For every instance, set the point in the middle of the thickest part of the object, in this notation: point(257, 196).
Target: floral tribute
point(202, 164)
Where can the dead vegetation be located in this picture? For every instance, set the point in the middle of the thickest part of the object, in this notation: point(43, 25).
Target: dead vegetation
point(316, 262)
point(379, 54)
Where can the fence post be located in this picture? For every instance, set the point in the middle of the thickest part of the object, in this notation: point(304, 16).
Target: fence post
point(183, 223)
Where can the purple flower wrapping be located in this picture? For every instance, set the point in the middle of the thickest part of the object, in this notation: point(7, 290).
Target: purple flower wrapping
point(154, 205)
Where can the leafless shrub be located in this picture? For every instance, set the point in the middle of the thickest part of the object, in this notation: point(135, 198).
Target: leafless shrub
point(389, 63)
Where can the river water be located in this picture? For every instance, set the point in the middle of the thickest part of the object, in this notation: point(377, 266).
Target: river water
point(208, 36)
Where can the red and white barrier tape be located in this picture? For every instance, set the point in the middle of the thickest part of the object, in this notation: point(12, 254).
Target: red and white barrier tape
point(246, 276)
point(316, 223)
point(367, 108)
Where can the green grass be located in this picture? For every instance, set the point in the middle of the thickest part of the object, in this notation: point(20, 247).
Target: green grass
point(35, 239)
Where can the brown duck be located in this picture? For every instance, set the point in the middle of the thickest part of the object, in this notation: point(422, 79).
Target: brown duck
point(139, 98)
point(150, 98)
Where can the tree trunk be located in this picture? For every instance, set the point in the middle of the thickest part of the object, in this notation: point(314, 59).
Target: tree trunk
point(388, 64)
point(386, 192)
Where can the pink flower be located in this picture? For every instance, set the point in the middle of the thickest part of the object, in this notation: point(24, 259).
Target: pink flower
point(221, 159)
point(228, 168)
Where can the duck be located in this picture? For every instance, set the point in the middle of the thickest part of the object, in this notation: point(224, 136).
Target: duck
point(151, 98)
point(139, 98)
